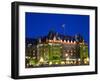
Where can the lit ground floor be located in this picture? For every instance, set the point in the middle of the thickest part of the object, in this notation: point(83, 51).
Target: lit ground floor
point(50, 54)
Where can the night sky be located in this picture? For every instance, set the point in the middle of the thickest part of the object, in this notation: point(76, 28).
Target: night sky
point(39, 24)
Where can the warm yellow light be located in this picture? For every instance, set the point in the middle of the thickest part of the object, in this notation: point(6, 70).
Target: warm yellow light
point(41, 59)
point(67, 59)
point(56, 63)
point(49, 40)
point(79, 59)
point(74, 42)
point(85, 62)
point(26, 57)
point(66, 62)
point(29, 57)
point(66, 54)
point(64, 41)
point(68, 41)
point(54, 39)
point(87, 59)
point(50, 63)
point(62, 62)
point(71, 62)
point(60, 40)
point(71, 41)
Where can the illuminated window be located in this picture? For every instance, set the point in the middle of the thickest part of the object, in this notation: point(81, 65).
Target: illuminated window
point(71, 41)
point(65, 41)
point(66, 54)
point(68, 41)
point(71, 53)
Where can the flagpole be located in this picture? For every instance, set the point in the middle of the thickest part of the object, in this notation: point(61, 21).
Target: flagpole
point(63, 26)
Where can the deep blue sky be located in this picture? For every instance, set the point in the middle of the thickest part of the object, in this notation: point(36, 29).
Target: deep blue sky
point(39, 24)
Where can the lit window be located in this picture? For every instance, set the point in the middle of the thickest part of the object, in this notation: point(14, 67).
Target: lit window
point(71, 41)
point(74, 42)
point(65, 41)
point(68, 41)
point(71, 53)
point(66, 54)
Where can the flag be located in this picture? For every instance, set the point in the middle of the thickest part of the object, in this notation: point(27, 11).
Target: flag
point(63, 25)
